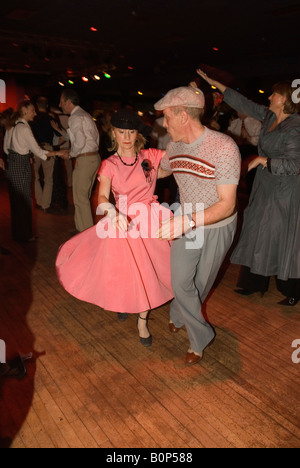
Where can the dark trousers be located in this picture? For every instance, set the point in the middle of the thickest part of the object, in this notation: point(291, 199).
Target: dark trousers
point(19, 185)
point(258, 283)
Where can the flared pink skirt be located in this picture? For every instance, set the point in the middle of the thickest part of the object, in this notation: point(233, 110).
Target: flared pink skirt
point(129, 274)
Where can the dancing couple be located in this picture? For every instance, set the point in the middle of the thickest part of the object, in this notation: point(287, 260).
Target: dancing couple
point(131, 274)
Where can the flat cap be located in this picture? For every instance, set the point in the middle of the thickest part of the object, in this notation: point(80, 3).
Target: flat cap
point(185, 96)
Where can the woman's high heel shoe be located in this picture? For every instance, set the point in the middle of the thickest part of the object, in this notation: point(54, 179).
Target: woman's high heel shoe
point(289, 301)
point(122, 317)
point(147, 342)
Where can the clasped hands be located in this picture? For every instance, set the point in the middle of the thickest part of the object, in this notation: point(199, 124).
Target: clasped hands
point(169, 229)
point(64, 154)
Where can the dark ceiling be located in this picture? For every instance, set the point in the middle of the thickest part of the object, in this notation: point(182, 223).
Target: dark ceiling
point(150, 45)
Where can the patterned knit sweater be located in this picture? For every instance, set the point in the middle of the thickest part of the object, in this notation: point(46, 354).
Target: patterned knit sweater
point(214, 159)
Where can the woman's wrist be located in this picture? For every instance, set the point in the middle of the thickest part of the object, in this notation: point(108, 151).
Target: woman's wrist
point(264, 162)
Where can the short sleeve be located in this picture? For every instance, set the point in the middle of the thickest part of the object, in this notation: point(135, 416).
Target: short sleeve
point(228, 164)
point(106, 169)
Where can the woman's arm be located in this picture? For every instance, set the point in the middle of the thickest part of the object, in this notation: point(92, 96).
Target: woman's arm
point(221, 87)
point(31, 143)
point(119, 221)
point(260, 160)
point(164, 169)
point(162, 173)
point(289, 165)
point(236, 100)
point(104, 190)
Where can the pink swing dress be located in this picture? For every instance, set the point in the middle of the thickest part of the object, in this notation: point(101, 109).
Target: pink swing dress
point(122, 272)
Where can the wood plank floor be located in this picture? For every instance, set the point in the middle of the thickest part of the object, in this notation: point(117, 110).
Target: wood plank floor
point(92, 384)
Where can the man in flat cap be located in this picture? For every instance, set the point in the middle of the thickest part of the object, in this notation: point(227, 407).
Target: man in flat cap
point(206, 165)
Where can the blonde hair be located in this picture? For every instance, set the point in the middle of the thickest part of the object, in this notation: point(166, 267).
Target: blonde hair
point(139, 144)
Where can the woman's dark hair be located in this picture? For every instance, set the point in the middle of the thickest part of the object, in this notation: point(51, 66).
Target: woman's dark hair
point(71, 94)
point(7, 114)
point(284, 88)
point(10, 117)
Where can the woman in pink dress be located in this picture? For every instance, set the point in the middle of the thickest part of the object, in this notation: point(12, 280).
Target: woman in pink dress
point(119, 264)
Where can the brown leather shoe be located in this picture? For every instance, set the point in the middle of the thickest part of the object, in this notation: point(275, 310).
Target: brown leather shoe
point(173, 329)
point(191, 358)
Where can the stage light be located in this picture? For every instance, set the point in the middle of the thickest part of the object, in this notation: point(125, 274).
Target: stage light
point(261, 91)
point(97, 77)
point(70, 82)
point(85, 79)
point(140, 93)
point(107, 76)
point(215, 49)
point(61, 84)
point(94, 29)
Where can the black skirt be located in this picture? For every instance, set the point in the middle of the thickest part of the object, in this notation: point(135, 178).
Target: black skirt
point(19, 176)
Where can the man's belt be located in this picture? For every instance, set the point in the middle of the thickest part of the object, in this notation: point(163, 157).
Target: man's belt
point(82, 155)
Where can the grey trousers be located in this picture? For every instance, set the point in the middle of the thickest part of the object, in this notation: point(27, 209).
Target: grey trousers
point(193, 275)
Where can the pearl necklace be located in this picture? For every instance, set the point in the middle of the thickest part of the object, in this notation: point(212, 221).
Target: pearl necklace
point(125, 164)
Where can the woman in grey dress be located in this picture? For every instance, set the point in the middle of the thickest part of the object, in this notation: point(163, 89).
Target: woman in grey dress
point(269, 244)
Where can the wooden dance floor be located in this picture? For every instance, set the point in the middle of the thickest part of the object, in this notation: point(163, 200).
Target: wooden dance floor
point(91, 384)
